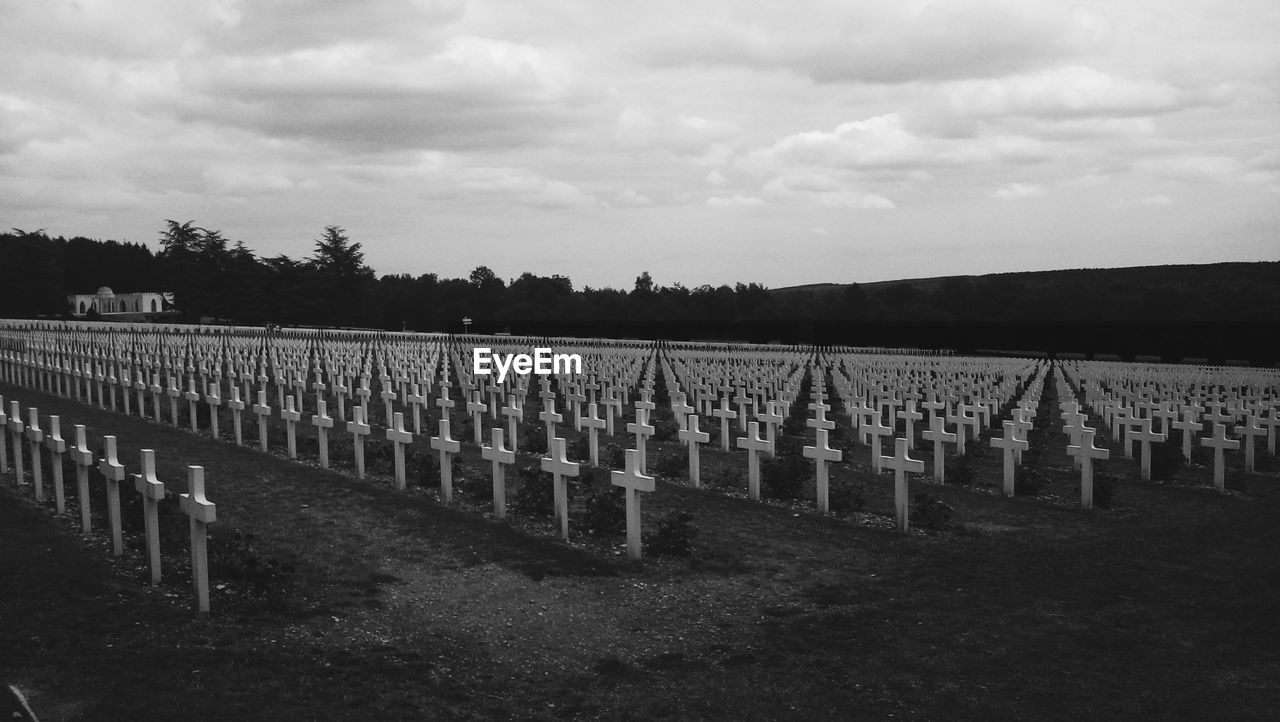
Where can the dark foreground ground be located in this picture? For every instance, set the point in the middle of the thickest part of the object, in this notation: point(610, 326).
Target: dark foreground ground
point(344, 599)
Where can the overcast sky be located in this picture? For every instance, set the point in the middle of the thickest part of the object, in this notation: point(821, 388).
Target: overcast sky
point(704, 141)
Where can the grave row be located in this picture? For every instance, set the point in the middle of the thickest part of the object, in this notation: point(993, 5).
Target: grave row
point(151, 490)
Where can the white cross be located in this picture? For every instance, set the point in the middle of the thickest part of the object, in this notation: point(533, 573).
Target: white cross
point(754, 446)
point(447, 446)
point(643, 431)
point(358, 430)
point(1144, 436)
point(549, 417)
point(57, 446)
point(938, 434)
point(152, 491)
point(724, 413)
point(559, 467)
point(692, 436)
point(1009, 443)
point(594, 424)
point(500, 456)
point(34, 438)
point(901, 463)
point(1219, 443)
point(113, 472)
point(878, 430)
point(1085, 452)
point(84, 460)
point(201, 512)
point(633, 480)
point(323, 422)
point(821, 453)
point(291, 417)
point(263, 412)
point(398, 437)
point(1250, 429)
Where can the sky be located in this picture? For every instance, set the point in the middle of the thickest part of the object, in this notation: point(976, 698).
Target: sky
point(705, 141)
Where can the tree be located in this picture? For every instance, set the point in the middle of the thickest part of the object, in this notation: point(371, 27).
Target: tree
point(336, 254)
point(178, 238)
point(644, 283)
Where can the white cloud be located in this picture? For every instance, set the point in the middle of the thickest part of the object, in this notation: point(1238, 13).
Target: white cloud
point(734, 201)
point(630, 198)
point(1156, 200)
point(1016, 191)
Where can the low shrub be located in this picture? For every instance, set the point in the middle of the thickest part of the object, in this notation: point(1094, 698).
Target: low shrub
point(669, 465)
point(533, 440)
point(534, 494)
point(233, 558)
point(674, 536)
point(723, 477)
point(1166, 459)
point(1028, 481)
point(959, 470)
point(604, 510)
point(845, 496)
point(931, 512)
point(579, 450)
point(613, 456)
point(783, 476)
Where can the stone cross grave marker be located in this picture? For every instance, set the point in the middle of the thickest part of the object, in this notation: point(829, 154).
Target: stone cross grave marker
point(152, 491)
point(476, 407)
point(724, 413)
point(1009, 443)
point(501, 457)
point(84, 460)
point(594, 425)
point(938, 434)
point(4, 432)
point(35, 436)
point(1250, 430)
point(549, 417)
point(634, 480)
point(214, 400)
point(192, 396)
point(1219, 443)
point(201, 512)
point(263, 412)
point(559, 467)
point(1144, 435)
point(113, 472)
point(291, 418)
point(16, 427)
point(754, 445)
point(514, 412)
point(693, 436)
point(821, 453)
point(901, 463)
point(57, 448)
point(323, 422)
point(643, 430)
point(358, 429)
point(399, 437)
point(447, 446)
point(236, 404)
point(1085, 452)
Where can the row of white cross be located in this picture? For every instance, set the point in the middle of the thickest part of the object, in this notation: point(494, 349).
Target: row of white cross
point(193, 503)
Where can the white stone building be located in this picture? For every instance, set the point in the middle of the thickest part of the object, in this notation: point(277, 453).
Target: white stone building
point(108, 303)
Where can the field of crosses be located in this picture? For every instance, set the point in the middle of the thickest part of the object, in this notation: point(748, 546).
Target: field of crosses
point(877, 424)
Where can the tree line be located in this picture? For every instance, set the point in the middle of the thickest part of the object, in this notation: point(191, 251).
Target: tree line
point(1228, 310)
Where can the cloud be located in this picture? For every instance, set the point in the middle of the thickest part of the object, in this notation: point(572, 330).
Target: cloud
point(882, 42)
point(819, 231)
point(1073, 91)
point(1017, 191)
point(524, 187)
point(630, 198)
point(823, 192)
point(1156, 200)
point(734, 201)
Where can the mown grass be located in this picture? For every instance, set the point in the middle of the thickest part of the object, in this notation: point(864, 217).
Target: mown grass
point(389, 605)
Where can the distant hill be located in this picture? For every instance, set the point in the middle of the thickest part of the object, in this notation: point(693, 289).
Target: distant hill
point(1220, 311)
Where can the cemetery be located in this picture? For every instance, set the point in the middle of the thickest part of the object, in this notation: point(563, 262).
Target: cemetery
point(357, 524)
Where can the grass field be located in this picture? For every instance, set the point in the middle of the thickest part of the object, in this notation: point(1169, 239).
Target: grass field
point(343, 599)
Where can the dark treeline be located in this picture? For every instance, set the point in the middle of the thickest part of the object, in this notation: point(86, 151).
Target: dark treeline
point(1220, 311)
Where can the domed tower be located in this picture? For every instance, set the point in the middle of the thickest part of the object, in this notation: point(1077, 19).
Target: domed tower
point(105, 300)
